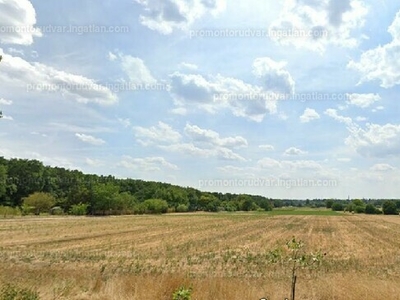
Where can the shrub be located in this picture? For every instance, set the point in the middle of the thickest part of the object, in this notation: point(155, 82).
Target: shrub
point(360, 209)
point(78, 209)
point(182, 294)
point(370, 209)
point(182, 208)
point(7, 211)
point(11, 292)
point(337, 206)
point(39, 202)
point(389, 208)
point(155, 206)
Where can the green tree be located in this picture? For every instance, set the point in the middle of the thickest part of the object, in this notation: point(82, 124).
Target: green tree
point(3, 182)
point(329, 203)
point(337, 206)
point(370, 209)
point(78, 209)
point(155, 206)
point(389, 208)
point(39, 202)
point(103, 198)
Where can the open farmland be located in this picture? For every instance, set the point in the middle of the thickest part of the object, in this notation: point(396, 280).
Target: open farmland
point(222, 256)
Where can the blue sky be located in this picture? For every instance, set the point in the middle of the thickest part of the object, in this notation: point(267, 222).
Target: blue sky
point(296, 99)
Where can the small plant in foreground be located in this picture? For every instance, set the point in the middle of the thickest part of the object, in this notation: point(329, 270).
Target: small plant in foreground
point(11, 292)
point(182, 294)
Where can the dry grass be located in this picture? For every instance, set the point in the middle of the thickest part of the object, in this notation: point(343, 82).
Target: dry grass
point(222, 256)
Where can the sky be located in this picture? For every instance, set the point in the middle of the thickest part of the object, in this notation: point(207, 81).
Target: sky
point(294, 99)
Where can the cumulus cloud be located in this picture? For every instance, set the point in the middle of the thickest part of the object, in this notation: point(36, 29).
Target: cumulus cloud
point(17, 22)
point(210, 137)
point(39, 78)
point(165, 16)
point(376, 140)
point(294, 151)
point(372, 141)
point(162, 133)
point(90, 139)
point(382, 168)
point(213, 93)
point(135, 68)
point(333, 114)
point(363, 100)
point(289, 165)
point(316, 24)
point(274, 76)
point(382, 63)
point(5, 102)
point(266, 147)
point(148, 164)
point(203, 142)
point(309, 115)
point(208, 152)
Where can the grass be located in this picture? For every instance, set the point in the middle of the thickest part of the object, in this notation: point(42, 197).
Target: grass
point(221, 256)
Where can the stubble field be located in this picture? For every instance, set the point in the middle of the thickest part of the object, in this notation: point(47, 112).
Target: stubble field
point(221, 256)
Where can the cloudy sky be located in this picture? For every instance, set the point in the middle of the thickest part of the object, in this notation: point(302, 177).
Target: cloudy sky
point(289, 99)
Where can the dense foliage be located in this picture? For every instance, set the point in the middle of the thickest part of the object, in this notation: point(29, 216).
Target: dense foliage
point(34, 187)
point(31, 187)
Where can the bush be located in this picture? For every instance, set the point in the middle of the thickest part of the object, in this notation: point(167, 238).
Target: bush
point(182, 294)
point(78, 209)
point(182, 208)
point(370, 209)
point(8, 211)
point(155, 206)
point(389, 208)
point(360, 209)
point(39, 202)
point(11, 292)
point(337, 206)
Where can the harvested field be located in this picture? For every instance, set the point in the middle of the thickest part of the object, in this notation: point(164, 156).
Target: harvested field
point(222, 256)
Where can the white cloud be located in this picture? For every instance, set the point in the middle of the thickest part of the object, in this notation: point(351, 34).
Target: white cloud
point(94, 162)
point(39, 78)
point(189, 66)
point(274, 76)
point(214, 93)
point(192, 150)
point(124, 122)
point(210, 137)
point(266, 147)
point(333, 114)
point(294, 151)
point(317, 24)
point(382, 63)
point(147, 164)
point(5, 102)
point(289, 165)
point(136, 70)
point(162, 133)
point(8, 118)
point(382, 168)
point(17, 22)
point(90, 139)
point(309, 115)
point(363, 100)
point(376, 140)
point(167, 15)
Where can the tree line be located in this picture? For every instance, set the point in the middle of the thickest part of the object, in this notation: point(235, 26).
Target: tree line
point(35, 188)
point(32, 187)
